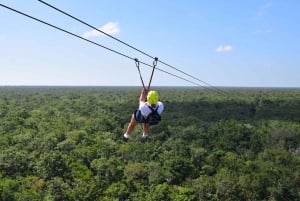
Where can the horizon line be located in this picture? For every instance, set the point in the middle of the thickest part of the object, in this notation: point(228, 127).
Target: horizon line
point(167, 86)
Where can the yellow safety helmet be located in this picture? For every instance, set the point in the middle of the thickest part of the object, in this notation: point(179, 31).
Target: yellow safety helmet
point(152, 97)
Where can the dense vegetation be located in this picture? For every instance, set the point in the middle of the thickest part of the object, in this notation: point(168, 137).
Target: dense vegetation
point(67, 144)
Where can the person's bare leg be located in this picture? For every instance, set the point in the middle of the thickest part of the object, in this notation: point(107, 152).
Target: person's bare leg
point(131, 125)
point(146, 128)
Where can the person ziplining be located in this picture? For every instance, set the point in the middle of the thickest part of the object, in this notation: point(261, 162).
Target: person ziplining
point(149, 110)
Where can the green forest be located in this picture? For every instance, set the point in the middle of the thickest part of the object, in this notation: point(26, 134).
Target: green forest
point(66, 144)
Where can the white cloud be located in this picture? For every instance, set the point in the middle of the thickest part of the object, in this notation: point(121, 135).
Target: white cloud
point(224, 48)
point(110, 28)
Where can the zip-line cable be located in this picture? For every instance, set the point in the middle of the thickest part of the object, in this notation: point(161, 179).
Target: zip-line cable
point(114, 51)
point(93, 27)
point(63, 30)
point(217, 89)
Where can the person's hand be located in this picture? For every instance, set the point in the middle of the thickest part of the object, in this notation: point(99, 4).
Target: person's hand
point(145, 91)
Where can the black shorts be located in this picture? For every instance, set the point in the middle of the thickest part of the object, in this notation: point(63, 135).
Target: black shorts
point(139, 117)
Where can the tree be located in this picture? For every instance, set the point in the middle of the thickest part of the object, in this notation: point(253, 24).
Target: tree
point(159, 192)
point(53, 165)
point(117, 191)
point(176, 169)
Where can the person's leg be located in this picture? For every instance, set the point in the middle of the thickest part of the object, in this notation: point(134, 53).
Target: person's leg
point(146, 128)
point(131, 126)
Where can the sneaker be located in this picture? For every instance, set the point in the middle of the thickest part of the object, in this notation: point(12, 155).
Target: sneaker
point(126, 136)
point(145, 135)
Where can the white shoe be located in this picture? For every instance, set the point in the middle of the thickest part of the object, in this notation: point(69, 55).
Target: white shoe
point(126, 136)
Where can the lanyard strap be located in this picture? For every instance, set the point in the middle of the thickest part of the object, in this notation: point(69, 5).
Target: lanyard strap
point(137, 63)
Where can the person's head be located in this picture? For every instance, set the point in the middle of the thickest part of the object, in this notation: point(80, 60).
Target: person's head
point(152, 97)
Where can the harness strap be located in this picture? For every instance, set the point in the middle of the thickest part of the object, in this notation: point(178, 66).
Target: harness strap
point(155, 115)
point(154, 65)
point(153, 110)
point(137, 63)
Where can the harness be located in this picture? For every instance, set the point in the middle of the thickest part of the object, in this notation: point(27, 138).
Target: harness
point(153, 118)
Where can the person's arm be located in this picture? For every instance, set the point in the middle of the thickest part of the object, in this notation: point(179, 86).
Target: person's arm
point(143, 95)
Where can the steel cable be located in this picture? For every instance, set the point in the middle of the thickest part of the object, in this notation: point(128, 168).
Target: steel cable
point(92, 42)
point(164, 63)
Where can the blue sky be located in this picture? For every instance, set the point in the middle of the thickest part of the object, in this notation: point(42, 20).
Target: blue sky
point(252, 43)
